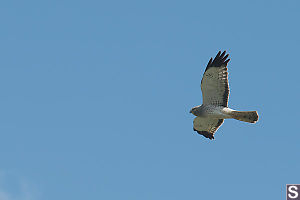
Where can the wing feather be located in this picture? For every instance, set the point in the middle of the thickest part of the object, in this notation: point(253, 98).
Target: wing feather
point(207, 126)
point(214, 84)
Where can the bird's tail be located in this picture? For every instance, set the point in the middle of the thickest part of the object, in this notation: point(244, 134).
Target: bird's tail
point(245, 116)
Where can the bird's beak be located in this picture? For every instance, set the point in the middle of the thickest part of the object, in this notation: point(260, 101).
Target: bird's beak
point(190, 111)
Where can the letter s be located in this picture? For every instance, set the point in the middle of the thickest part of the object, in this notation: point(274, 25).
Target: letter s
point(293, 189)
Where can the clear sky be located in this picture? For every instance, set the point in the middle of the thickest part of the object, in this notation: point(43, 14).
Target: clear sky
point(95, 99)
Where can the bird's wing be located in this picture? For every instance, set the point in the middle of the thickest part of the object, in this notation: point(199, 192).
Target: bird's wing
point(207, 126)
point(214, 84)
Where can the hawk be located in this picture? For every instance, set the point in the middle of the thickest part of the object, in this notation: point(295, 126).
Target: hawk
point(215, 92)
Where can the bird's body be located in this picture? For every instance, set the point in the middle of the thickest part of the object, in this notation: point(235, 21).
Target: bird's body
point(215, 112)
point(215, 92)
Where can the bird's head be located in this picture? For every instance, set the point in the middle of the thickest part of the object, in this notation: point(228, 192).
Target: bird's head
point(194, 110)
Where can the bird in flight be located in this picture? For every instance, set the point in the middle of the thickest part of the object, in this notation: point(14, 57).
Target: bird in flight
point(215, 92)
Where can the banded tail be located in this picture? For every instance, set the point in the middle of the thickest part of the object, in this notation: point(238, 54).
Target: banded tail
point(245, 116)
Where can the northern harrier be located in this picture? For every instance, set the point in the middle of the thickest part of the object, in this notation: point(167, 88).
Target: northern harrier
point(215, 92)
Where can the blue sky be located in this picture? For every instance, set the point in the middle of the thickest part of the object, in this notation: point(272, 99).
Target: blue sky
point(95, 99)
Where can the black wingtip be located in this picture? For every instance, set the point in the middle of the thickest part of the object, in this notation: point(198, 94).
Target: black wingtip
point(223, 54)
point(226, 62)
point(206, 134)
point(219, 60)
point(210, 61)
